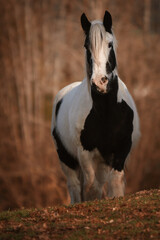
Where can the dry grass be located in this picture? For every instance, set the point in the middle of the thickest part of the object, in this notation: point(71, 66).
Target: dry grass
point(132, 217)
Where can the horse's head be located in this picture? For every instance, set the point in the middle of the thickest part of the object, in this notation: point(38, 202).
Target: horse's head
point(100, 50)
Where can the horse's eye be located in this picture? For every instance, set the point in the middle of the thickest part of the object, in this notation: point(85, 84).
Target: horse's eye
point(110, 44)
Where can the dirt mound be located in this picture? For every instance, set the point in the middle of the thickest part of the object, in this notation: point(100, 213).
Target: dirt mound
point(135, 216)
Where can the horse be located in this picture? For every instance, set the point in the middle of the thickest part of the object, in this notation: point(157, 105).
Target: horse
point(95, 123)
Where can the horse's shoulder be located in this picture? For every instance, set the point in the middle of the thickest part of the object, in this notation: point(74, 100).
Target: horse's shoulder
point(124, 94)
point(65, 90)
point(122, 90)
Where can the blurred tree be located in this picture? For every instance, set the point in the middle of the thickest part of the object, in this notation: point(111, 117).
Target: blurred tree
point(155, 16)
point(152, 16)
point(28, 47)
point(147, 16)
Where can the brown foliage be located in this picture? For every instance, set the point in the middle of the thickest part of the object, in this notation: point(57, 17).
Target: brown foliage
point(132, 217)
point(41, 50)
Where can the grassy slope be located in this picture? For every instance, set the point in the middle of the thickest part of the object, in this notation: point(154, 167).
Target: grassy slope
point(135, 216)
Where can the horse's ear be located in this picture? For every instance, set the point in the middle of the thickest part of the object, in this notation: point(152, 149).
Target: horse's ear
point(85, 23)
point(107, 21)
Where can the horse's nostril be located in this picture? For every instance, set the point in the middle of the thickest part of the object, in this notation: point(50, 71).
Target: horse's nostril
point(104, 79)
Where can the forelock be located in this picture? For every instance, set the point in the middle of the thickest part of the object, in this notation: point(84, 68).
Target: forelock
point(97, 35)
point(98, 38)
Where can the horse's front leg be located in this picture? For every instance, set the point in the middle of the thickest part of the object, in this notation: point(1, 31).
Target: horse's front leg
point(91, 187)
point(73, 183)
point(116, 181)
point(116, 184)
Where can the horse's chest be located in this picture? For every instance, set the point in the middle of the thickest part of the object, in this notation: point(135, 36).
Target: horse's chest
point(109, 130)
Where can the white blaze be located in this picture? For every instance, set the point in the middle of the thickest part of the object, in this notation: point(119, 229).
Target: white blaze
point(99, 40)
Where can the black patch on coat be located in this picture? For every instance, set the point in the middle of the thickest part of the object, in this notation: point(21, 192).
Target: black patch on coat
point(89, 62)
point(88, 55)
point(109, 126)
point(58, 106)
point(63, 154)
point(111, 64)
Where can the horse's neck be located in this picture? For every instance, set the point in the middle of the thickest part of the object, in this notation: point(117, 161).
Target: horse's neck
point(103, 102)
point(102, 105)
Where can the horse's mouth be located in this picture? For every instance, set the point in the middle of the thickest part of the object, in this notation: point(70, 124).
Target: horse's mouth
point(99, 90)
point(100, 84)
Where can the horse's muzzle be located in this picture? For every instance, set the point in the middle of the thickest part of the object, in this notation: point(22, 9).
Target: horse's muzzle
point(101, 83)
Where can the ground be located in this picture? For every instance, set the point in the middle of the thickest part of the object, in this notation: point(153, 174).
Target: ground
point(135, 216)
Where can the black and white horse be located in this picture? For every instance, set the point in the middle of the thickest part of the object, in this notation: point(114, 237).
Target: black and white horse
point(95, 122)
